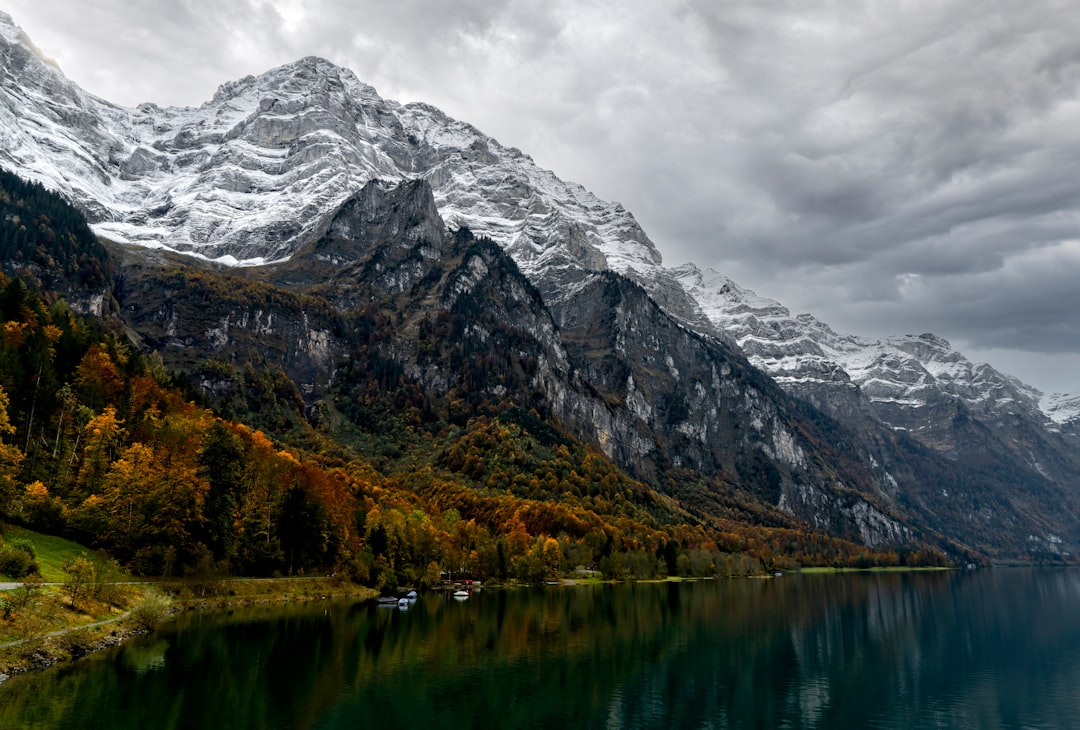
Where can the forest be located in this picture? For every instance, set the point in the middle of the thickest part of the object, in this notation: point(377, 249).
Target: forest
point(99, 442)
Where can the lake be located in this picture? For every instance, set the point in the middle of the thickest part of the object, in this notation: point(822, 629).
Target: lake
point(982, 649)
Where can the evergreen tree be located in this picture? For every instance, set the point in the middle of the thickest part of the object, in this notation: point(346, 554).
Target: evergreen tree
point(221, 463)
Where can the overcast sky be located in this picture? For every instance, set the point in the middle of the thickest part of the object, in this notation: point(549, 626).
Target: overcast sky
point(891, 167)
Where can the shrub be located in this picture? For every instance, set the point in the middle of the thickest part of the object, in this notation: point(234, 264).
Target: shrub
point(80, 572)
point(78, 643)
point(107, 575)
point(23, 544)
point(151, 610)
point(16, 561)
point(26, 594)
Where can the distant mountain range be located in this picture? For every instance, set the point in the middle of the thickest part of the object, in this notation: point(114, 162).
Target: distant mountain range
point(304, 178)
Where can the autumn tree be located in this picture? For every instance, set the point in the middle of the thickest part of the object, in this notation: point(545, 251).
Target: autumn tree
point(10, 458)
point(97, 379)
point(79, 574)
point(258, 547)
point(103, 436)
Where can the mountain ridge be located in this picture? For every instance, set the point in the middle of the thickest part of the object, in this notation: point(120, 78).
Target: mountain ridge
point(209, 180)
point(593, 368)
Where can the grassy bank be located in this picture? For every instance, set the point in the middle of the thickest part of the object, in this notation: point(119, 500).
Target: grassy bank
point(49, 619)
point(40, 626)
point(49, 631)
point(189, 595)
point(53, 553)
point(884, 569)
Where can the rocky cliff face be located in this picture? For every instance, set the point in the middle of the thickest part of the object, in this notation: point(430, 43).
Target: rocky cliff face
point(698, 404)
point(385, 289)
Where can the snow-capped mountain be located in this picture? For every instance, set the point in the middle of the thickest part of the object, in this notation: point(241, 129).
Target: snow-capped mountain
point(806, 356)
point(915, 383)
point(229, 180)
point(254, 173)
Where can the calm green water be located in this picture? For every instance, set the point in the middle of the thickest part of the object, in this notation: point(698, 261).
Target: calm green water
point(989, 649)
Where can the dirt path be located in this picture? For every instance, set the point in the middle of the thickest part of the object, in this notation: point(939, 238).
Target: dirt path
point(61, 632)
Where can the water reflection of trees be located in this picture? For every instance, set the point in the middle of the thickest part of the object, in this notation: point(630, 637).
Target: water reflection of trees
point(895, 650)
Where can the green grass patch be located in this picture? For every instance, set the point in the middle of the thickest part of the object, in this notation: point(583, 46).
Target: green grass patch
point(883, 569)
point(52, 553)
point(225, 591)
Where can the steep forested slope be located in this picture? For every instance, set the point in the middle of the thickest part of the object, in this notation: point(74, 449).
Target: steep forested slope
point(393, 466)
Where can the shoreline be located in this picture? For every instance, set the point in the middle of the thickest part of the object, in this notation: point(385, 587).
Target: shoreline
point(75, 642)
point(37, 653)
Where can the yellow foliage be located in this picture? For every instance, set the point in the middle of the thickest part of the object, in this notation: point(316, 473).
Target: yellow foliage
point(105, 424)
point(37, 491)
point(97, 375)
point(552, 552)
point(13, 333)
point(5, 424)
point(288, 457)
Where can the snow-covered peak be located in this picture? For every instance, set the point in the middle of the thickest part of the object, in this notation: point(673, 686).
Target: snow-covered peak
point(13, 35)
point(1062, 408)
point(296, 78)
point(251, 174)
point(806, 356)
point(10, 32)
point(790, 348)
point(721, 297)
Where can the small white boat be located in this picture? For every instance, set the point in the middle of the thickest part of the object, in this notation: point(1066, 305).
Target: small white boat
point(411, 595)
point(460, 595)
